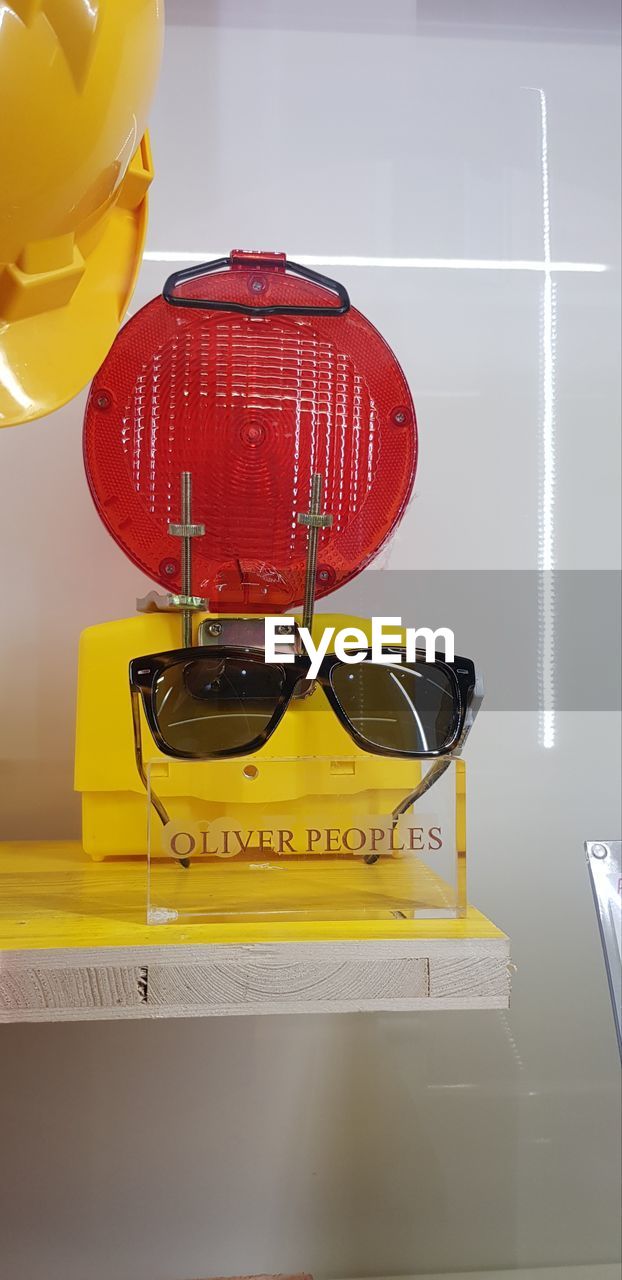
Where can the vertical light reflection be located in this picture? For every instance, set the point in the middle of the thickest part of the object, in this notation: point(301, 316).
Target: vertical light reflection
point(546, 502)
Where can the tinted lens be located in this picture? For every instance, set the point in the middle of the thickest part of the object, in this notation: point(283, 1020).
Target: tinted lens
point(210, 705)
point(410, 708)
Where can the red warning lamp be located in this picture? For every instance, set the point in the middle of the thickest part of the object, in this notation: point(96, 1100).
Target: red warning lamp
point(252, 373)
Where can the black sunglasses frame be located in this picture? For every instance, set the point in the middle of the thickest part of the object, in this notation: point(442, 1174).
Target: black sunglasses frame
point(144, 672)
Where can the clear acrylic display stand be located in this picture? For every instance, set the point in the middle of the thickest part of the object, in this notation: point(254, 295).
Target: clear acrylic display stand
point(307, 838)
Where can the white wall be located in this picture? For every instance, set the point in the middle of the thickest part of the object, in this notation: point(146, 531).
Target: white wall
point(366, 1144)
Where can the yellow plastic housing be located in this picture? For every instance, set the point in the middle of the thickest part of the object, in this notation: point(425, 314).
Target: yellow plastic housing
point(309, 762)
point(76, 82)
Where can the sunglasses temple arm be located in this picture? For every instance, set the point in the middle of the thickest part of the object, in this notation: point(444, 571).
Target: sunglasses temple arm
point(438, 768)
point(136, 723)
point(434, 773)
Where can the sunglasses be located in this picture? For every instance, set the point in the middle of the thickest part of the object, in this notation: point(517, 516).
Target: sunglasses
point(215, 702)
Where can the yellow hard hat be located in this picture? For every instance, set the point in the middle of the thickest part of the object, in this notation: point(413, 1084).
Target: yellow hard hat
point(76, 80)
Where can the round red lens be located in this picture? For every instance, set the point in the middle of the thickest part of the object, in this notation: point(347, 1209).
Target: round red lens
point(252, 406)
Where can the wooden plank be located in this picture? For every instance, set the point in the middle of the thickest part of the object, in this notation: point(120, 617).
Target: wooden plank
point(48, 990)
point(277, 978)
point(247, 983)
point(469, 975)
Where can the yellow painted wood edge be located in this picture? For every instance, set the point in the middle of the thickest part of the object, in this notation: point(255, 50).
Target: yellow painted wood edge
point(474, 928)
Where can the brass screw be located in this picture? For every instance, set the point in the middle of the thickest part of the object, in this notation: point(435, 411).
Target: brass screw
point(186, 531)
point(314, 521)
